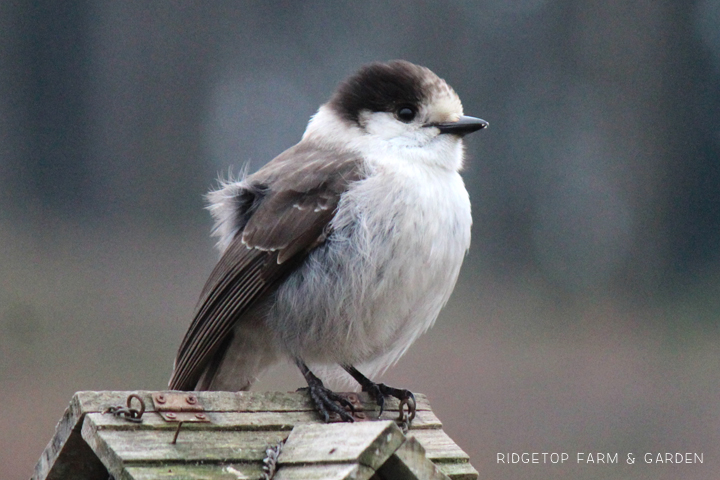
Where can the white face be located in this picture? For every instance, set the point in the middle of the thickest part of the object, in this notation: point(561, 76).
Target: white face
point(383, 134)
point(406, 132)
point(388, 128)
point(407, 127)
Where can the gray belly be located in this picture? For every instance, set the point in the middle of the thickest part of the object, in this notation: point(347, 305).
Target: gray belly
point(351, 303)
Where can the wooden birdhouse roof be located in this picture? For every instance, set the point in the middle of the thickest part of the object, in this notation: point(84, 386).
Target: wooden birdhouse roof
point(244, 435)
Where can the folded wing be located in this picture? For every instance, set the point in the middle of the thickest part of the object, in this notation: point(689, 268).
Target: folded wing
point(285, 211)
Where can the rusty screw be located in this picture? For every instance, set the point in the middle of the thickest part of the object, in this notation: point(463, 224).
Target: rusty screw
point(171, 415)
point(360, 415)
point(191, 399)
point(200, 416)
point(161, 398)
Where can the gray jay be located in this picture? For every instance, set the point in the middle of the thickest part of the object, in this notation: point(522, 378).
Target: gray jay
point(344, 248)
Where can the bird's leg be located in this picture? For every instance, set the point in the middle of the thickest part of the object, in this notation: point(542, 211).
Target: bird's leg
point(379, 391)
point(324, 398)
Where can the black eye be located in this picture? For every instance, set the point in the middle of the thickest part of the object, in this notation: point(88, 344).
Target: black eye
point(406, 114)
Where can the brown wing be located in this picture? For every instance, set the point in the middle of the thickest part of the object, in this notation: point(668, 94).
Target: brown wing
point(283, 215)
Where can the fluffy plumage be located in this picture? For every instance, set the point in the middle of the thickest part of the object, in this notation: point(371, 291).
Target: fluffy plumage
point(344, 248)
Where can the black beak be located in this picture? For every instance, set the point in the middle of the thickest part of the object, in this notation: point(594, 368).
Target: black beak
point(462, 127)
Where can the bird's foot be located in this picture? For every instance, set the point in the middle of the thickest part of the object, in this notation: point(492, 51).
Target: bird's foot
point(326, 401)
point(380, 391)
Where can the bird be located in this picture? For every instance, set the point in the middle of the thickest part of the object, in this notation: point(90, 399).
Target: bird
point(344, 248)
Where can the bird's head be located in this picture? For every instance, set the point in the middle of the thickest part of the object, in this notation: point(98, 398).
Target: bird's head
point(395, 106)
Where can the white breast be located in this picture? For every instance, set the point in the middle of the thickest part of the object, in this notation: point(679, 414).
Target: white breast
point(400, 236)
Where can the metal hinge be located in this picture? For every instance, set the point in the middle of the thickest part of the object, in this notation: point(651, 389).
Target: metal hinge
point(358, 415)
point(179, 407)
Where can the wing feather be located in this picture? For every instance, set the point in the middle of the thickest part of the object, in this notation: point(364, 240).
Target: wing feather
point(225, 301)
point(300, 191)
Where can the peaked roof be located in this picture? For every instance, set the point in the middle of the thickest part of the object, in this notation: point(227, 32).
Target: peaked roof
point(229, 435)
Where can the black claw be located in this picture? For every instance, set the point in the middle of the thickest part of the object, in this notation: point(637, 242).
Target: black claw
point(406, 397)
point(325, 399)
point(332, 399)
point(379, 391)
point(380, 399)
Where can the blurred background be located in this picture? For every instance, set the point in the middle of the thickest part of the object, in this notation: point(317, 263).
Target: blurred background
point(586, 315)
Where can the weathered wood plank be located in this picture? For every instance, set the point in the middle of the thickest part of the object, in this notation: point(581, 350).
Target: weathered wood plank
point(76, 461)
point(233, 471)
point(425, 419)
point(112, 461)
point(439, 447)
point(66, 457)
point(410, 463)
point(134, 446)
point(458, 471)
point(366, 443)
point(90, 401)
point(338, 471)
